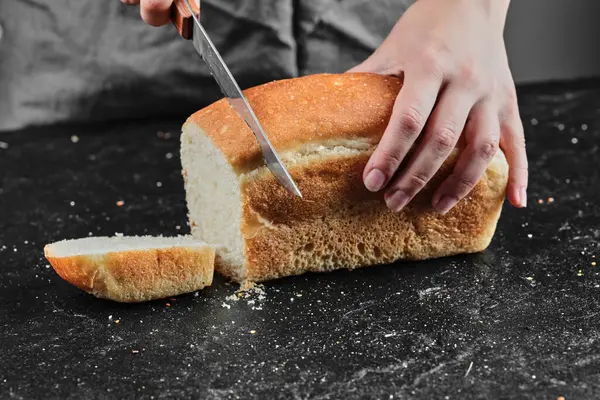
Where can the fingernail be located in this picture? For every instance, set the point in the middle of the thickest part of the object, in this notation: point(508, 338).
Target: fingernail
point(445, 204)
point(523, 197)
point(375, 180)
point(397, 200)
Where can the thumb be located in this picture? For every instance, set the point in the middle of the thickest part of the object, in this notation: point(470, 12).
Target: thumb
point(369, 65)
point(362, 67)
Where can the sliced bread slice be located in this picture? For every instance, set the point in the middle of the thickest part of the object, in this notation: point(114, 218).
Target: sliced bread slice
point(133, 268)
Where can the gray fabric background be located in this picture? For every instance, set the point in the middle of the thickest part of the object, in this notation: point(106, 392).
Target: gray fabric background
point(95, 60)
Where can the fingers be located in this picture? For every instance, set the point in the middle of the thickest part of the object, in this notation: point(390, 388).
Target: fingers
point(482, 135)
point(512, 142)
point(153, 12)
point(444, 129)
point(156, 12)
point(411, 110)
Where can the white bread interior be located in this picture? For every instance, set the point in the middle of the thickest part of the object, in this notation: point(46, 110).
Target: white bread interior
point(213, 199)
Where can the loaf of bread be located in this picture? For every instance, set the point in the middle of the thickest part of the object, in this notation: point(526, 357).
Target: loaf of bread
point(133, 269)
point(324, 128)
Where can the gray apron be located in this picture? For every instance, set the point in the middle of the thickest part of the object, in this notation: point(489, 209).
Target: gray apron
point(95, 60)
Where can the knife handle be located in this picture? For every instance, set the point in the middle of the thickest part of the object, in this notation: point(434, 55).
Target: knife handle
point(182, 18)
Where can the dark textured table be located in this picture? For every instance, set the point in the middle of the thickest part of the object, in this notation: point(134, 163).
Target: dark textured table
point(519, 320)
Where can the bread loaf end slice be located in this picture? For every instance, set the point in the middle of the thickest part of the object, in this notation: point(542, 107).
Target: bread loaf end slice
point(133, 268)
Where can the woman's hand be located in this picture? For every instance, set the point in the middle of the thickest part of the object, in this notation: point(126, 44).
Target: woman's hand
point(452, 58)
point(153, 12)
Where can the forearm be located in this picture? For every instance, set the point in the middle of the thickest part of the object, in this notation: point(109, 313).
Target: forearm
point(495, 10)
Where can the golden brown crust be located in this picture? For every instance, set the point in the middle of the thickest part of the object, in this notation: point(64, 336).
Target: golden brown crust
point(138, 275)
point(339, 224)
point(299, 111)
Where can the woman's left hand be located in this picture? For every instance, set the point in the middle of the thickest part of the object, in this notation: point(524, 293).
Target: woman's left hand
point(457, 81)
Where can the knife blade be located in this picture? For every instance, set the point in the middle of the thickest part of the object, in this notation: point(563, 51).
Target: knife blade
point(192, 28)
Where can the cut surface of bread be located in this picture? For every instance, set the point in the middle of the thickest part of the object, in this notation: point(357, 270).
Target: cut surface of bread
point(133, 268)
point(324, 128)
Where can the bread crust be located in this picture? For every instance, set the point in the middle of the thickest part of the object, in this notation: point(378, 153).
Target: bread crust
point(339, 224)
point(138, 275)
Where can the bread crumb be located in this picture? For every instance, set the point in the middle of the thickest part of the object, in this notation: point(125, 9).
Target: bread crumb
point(247, 286)
point(72, 203)
point(168, 156)
point(561, 127)
point(158, 184)
point(534, 121)
point(574, 140)
point(225, 305)
point(163, 135)
point(250, 292)
point(584, 127)
point(110, 317)
point(233, 297)
point(3, 145)
point(249, 289)
point(529, 235)
point(74, 138)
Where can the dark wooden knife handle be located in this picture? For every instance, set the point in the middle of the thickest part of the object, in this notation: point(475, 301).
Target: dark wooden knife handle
point(182, 18)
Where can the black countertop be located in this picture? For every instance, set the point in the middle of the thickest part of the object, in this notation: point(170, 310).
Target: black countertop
point(519, 320)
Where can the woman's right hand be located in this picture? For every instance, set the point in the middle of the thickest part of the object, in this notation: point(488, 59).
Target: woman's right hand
point(153, 12)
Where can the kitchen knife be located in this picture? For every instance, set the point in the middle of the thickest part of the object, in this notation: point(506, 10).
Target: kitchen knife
point(185, 16)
